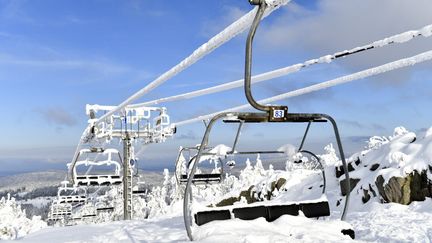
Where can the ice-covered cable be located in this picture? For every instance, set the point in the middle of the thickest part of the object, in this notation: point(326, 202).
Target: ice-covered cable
point(227, 34)
point(426, 31)
point(83, 137)
point(410, 61)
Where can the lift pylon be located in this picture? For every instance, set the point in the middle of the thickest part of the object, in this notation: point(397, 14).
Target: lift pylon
point(144, 124)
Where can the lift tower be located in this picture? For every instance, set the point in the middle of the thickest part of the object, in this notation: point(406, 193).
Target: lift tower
point(139, 124)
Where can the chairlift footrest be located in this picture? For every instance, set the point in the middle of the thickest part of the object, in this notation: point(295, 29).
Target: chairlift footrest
point(202, 178)
point(270, 213)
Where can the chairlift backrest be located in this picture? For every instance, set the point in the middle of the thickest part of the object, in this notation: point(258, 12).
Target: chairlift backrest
point(78, 191)
point(184, 164)
point(112, 156)
point(89, 158)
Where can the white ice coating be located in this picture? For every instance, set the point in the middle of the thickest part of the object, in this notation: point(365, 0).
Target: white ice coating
point(227, 34)
point(220, 150)
point(425, 31)
point(410, 61)
point(275, 2)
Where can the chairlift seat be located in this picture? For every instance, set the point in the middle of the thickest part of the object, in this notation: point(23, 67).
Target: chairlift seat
point(50, 219)
point(208, 216)
point(250, 213)
point(61, 213)
point(270, 213)
point(72, 199)
point(105, 209)
point(139, 192)
point(291, 117)
point(98, 180)
point(203, 178)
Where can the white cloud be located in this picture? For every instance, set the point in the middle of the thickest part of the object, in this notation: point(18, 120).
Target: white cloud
point(100, 66)
point(14, 10)
point(91, 69)
point(5, 34)
point(144, 8)
point(57, 116)
point(337, 25)
point(342, 24)
point(45, 154)
point(214, 26)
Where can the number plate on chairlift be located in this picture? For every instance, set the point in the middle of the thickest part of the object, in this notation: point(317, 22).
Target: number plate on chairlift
point(278, 113)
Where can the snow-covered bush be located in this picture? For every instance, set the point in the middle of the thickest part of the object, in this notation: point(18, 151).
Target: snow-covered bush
point(159, 200)
point(13, 220)
point(376, 142)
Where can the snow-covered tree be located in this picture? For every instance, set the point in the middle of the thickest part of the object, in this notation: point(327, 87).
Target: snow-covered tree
point(14, 223)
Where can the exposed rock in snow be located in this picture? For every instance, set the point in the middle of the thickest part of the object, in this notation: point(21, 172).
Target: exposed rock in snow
point(393, 169)
point(404, 190)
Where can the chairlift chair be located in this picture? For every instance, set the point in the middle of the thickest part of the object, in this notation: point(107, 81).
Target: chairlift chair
point(103, 207)
point(71, 195)
point(138, 190)
point(268, 114)
point(103, 178)
point(59, 211)
point(183, 167)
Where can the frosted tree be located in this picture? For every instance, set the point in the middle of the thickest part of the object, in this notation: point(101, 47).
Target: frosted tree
point(14, 223)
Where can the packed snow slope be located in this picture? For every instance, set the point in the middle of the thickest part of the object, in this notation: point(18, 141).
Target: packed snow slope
point(372, 221)
point(384, 223)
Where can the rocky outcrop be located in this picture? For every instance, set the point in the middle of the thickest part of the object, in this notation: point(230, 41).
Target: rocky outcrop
point(251, 195)
point(350, 167)
point(396, 168)
point(404, 190)
point(344, 187)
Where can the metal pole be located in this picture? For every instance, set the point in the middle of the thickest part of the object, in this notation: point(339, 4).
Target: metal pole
point(187, 217)
point(344, 164)
point(237, 136)
point(304, 136)
point(127, 179)
point(248, 62)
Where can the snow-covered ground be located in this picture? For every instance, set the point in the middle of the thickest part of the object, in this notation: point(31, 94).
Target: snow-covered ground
point(372, 221)
point(394, 222)
point(384, 223)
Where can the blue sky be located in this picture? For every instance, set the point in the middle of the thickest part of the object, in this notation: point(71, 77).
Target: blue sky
point(58, 56)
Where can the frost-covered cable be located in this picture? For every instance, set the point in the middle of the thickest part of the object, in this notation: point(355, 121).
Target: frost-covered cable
point(426, 31)
point(227, 34)
point(82, 140)
point(410, 61)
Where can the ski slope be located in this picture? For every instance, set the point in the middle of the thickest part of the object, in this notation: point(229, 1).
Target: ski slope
point(384, 223)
